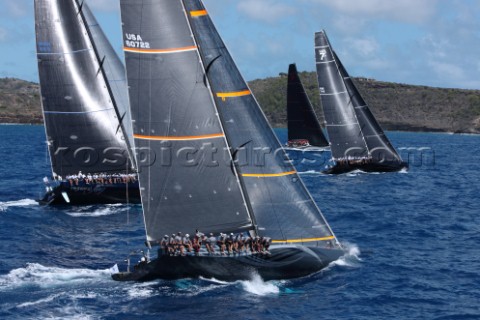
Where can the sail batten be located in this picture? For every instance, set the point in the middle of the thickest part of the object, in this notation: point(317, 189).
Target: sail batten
point(161, 51)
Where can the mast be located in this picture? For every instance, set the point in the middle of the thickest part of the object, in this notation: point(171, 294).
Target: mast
point(301, 118)
point(283, 208)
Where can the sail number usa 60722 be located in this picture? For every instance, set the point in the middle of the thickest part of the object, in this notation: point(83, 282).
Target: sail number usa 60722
point(135, 41)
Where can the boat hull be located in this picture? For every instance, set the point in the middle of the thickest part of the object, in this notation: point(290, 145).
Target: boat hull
point(368, 167)
point(283, 262)
point(93, 193)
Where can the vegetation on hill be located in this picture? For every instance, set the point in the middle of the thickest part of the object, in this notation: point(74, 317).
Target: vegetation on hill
point(19, 101)
point(396, 106)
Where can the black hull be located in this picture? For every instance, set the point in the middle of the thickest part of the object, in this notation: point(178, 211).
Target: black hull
point(368, 167)
point(283, 262)
point(88, 194)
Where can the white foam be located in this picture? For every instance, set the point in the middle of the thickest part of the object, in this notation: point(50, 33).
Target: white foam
point(213, 280)
point(308, 149)
point(41, 301)
point(105, 210)
point(351, 258)
point(35, 274)
point(259, 287)
point(140, 292)
point(17, 203)
point(311, 172)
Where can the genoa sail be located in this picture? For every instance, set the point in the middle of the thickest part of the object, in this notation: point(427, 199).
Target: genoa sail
point(81, 89)
point(184, 184)
point(353, 131)
point(301, 118)
point(282, 207)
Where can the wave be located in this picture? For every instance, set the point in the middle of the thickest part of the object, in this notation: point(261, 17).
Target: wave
point(97, 211)
point(17, 203)
point(35, 274)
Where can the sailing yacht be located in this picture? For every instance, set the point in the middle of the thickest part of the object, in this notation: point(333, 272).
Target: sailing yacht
point(85, 108)
point(356, 139)
point(304, 129)
point(192, 108)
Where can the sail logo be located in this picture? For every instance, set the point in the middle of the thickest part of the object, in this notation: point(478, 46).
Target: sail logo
point(136, 41)
point(322, 53)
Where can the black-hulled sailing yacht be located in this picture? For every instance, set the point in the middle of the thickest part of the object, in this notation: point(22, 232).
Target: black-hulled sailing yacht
point(191, 106)
point(357, 141)
point(304, 129)
point(85, 108)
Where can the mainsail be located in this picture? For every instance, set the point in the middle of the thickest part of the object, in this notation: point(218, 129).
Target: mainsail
point(352, 128)
point(302, 120)
point(83, 91)
point(176, 127)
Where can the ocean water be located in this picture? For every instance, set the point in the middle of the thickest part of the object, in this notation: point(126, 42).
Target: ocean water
point(412, 238)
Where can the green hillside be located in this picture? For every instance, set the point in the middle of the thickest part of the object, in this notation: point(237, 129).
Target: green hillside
point(396, 106)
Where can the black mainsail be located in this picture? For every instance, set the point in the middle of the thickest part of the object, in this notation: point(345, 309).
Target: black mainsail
point(303, 126)
point(175, 119)
point(357, 140)
point(84, 99)
point(187, 93)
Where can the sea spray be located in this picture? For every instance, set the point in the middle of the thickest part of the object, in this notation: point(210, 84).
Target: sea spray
point(259, 287)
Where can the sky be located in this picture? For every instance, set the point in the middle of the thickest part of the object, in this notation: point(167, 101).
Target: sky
point(423, 42)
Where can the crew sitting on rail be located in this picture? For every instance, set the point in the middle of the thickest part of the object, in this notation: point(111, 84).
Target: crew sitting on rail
point(227, 244)
point(98, 178)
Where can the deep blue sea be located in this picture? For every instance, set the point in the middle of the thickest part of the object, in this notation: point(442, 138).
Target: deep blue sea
point(413, 240)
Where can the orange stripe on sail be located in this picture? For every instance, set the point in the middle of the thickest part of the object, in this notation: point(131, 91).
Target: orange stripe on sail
point(170, 50)
point(225, 95)
point(303, 240)
point(198, 13)
point(267, 175)
point(182, 138)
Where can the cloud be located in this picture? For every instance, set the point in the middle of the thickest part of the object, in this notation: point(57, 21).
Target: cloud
point(3, 34)
point(447, 70)
point(266, 10)
point(410, 11)
point(16, 8)
point(365, 47)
